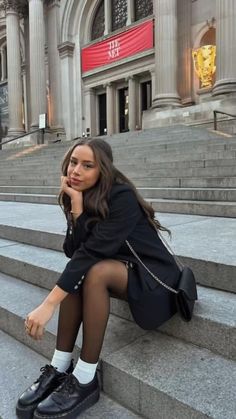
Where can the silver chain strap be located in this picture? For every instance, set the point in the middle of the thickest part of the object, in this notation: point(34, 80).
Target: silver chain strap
point(148, 270)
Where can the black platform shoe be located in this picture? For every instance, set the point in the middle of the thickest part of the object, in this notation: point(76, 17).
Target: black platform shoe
point(48, 381)
point(69, 399)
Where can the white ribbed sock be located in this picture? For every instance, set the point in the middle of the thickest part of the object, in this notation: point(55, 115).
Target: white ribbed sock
point(84, 372)
point(61, 360)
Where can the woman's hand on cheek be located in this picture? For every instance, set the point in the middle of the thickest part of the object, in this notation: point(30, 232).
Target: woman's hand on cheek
point(65, 185)
point(67, 188)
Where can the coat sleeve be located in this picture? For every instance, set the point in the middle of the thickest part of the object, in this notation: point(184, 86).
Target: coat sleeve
point(75, 235)
point(104, 241)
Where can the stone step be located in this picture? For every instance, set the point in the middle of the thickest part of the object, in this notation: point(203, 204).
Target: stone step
point(42, 267)
point(209, 208)
point(162, 377)
point(197, 240)
point(181, 206)
point(197, 170)
point(195, 194)
point(210, 159)
point(163, 374)
point(20, 366)
point(206, 194)
point(166, 146)
point(32, 198)
point(164, 182)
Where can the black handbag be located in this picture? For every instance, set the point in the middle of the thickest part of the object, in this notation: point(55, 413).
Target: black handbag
point(186, 291)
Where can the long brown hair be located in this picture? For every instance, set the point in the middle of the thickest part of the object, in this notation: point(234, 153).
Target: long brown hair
point(95, 199)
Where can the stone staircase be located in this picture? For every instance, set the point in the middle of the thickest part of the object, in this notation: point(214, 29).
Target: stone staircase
point(181, 371)
point(179, 169)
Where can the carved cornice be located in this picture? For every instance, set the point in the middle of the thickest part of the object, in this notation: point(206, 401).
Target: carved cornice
point(66, 49)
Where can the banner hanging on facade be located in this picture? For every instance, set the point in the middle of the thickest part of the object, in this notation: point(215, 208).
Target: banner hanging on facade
point(116, 47)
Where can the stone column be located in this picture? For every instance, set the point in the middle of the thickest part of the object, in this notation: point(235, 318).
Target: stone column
point(27, 72)
point(225, 47)
point(130, 12)
point(166, 54)
point(66, 51)
point(184, 8)
point(14, 69)
point(37, 61)
point(132, 103)
point(110, 109)
point(3, 63)
point(54, 65)
point(108, 16)
point(90, 111)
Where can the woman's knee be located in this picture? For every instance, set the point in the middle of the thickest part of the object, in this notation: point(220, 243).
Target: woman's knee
point(98, 274)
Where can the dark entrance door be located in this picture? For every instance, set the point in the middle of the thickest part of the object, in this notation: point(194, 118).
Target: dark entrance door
point(146, 95)
point(102, 100)
point(124, 109)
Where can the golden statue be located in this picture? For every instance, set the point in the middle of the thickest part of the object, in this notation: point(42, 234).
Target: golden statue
point(204, 64)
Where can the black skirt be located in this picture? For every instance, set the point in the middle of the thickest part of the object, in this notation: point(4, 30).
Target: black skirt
point(150, 303)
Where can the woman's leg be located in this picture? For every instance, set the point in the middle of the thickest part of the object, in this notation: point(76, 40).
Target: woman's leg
point(69, 321)
point(104, 278)
point(80, 390)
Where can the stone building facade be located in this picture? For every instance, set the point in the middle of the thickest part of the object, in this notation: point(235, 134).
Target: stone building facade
point(108, 66)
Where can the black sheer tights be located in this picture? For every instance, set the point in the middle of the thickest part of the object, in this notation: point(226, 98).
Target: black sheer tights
point(92, 307)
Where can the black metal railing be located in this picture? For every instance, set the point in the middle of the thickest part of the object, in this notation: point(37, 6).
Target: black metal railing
point(223, 113)
point(21, 136)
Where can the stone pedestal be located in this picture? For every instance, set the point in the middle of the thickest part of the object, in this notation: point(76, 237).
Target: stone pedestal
point(225, 47)
point(166, 54)
point(37, 61)
point(15, 97)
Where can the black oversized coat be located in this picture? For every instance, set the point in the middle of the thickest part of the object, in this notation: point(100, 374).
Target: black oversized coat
point(150, 303)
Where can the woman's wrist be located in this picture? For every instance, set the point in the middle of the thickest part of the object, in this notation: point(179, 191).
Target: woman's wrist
point(55, 297)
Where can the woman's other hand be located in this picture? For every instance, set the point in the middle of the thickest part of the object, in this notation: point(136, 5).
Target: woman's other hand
point(37, 320)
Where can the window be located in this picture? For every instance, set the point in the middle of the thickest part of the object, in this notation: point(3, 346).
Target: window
point(119, 14)
point(98, 23)
point(143, 8)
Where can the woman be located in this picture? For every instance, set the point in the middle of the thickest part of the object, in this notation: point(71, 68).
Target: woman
point(103, 210)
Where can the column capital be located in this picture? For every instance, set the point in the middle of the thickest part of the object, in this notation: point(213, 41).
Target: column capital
point(132, 77)
point(11, 5)
point(108, 84)
point(15, 6)
point(66, 49)
point(52, 3)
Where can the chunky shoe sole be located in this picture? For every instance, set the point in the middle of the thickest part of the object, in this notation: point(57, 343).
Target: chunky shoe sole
point(25, 412)
point(75, 412)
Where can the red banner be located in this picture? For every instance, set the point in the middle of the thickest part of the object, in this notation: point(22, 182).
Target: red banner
point(122, 45)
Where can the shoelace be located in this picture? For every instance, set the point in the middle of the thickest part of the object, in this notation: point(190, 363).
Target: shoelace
point(45, 372)
point(67, 385)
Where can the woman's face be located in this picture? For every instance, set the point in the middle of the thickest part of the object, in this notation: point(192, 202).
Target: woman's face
point(83, 171)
